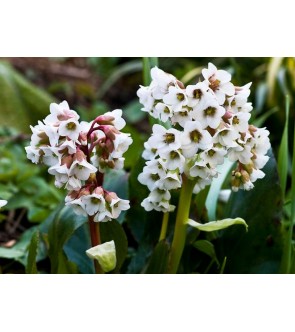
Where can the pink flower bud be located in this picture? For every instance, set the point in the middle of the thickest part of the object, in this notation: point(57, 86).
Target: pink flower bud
point(98, 191)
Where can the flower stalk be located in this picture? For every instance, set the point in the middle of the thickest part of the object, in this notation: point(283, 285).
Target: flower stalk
point(181, 223)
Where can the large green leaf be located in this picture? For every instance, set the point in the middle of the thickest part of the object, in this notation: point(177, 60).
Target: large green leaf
point(76, 247)
point(60, 228)
point(21, 103)
point(260, 249)
point(112, 230)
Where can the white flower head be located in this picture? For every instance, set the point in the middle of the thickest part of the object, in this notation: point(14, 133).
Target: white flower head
point(164, 112)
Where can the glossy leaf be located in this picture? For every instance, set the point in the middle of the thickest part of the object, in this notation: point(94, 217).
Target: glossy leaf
point(259, 250)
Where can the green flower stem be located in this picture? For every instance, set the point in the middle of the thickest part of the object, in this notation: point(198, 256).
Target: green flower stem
point(164, 226)
point(95, 240)
point(180, 225)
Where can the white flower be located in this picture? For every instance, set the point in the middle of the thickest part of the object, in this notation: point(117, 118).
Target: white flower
point(241, 153)
point(82, 169)
point(117, 205)
point(149, 152)
point(173, 160)
point(69, 145)
point(160, 82)
point(165, 139)
point(256, 174)
point(219, 82)
point(51, 155)
point(77, 205)
point(214, 156)
point(93, 203)
point(118, 122)
point(196, 92)
point(175, 97)
point(3, 202)
point(182, 117)
point(200, 184)
point(145, 98)
point(105, 254)
point(195, 138)
point(164, 112)
point(60, 112)
point(73, 183)
point(152, 173)
point(208, 113)
point(262, 143)
point(69, 128)
point(260, 161)
point(33, 154)
point(172, 180)
point(121, 144)
point(226, 137)
point(240, 121)
point(103, 216)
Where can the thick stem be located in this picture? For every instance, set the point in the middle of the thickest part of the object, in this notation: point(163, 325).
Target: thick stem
point(95, 240)
point(180, 225)
point(164, 226)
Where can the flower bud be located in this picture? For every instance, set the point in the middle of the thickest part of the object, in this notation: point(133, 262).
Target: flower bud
point(245, 176)
point(105, 254)
point(79, 155)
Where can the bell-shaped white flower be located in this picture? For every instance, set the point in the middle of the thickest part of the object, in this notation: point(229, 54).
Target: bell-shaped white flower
point(160, 82)
point(93, 203)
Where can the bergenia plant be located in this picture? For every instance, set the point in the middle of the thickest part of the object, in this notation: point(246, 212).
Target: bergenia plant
point(203, 124)
point(77, 155)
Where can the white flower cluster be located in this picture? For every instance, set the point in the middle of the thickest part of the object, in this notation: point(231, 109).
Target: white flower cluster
point(78, 153)
point(211, 122)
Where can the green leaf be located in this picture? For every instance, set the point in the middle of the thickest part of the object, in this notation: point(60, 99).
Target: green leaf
point(284, 151)
point(212, 198)
point(60, 228)
point(31, 267)
point(207, 248)
point(76, 247)
point(159, 260)
point(112, 230)
point(217, 225)
point(260, 249)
